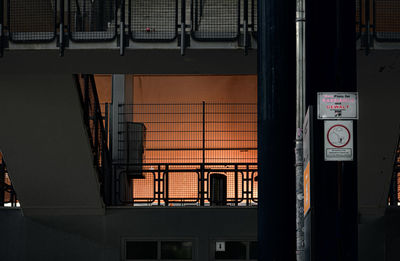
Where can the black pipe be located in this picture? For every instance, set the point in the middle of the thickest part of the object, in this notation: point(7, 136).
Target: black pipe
point(276, 125)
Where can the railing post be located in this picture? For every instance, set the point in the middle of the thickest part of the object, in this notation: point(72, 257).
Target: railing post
point(61, 34)
point(86, 99)
point(367, 37)
point(203, 157)
point(196, 17)
point(245, 25)
point(106, 121)
point(183, 27)
point(236, 186)
point(96, 138)
point(166, 192)
point(122, 29)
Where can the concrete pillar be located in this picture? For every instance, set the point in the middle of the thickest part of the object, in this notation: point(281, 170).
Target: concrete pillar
point(276, 126)
point(122, 94)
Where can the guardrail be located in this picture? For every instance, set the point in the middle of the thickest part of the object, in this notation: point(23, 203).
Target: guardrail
point(97, 134)
point(62, 21)
point(187, 184)
point(169, 153)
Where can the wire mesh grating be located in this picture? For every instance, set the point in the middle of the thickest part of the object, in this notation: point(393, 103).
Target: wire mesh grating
point(215, 20)
point(32, 21)
point(387, 20)
point(153, 20)
point(92, 20)
point(184, 144)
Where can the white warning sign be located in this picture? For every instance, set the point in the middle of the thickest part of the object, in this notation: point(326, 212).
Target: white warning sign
point(339, 141)
point(337, 105)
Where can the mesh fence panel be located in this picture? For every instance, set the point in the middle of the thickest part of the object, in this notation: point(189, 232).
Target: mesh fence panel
point(91, 20)
point(387, 20)
point(186, 141)
point(144, 189)
point(183, 187)
point(32, 21)
point(153, 20)
point(215, 20)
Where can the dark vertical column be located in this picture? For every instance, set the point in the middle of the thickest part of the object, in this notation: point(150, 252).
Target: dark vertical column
point(331, 66)
point(276, 125)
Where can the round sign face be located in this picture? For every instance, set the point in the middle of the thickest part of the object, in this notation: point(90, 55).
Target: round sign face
point(338, 136)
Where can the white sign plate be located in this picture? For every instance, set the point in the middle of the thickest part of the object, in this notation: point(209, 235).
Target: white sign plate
point(220, 246)
point(338, 140)
point(337, 105)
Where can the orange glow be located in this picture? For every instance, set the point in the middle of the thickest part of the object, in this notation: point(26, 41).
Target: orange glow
point(178, 89)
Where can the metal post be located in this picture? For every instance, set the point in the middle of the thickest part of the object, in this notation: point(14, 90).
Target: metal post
point(61, 34)
point(203, 157)
point(276, 122)
point(236, 186)
point(196, 17)
point(166, 196)
point(183, 27)
point(245, 25)
point(367, 37)
point(300, 112)
point(122, 29)
point(106, 122)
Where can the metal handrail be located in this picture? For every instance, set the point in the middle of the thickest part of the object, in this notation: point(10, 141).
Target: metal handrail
point(97, 134)
point(157, 175)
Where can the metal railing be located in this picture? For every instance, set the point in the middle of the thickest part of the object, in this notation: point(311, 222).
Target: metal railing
point(92, 20)
point(153, 20)
point(386, 18)
point(167, 152)
point(98, 136)
point(215, 20)
point(62, 21)
point(8, 197)
point(183, 184)
point(31, 21)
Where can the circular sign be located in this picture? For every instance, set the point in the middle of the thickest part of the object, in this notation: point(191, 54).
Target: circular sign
point(338, 136)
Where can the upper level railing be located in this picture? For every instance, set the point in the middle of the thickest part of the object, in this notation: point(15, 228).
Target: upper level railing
point(65, 21)
point(97, 134)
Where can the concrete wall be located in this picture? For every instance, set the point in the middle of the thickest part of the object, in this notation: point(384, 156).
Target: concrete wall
point(99, 237)
point(45, 144)
point(378, 131)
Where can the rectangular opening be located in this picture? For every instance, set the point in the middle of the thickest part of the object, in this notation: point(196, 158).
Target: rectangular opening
point(176, 250)
point(141, 250)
